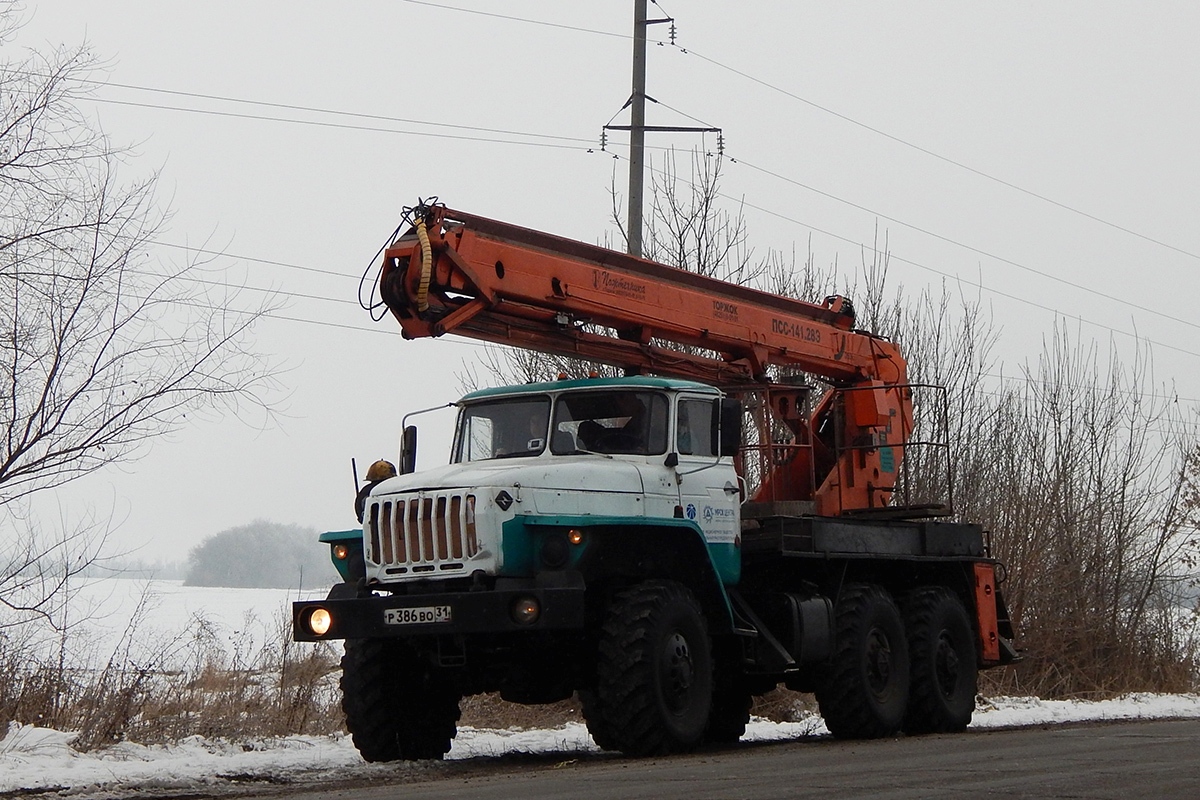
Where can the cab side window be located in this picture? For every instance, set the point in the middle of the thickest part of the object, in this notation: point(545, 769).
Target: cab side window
point(693, 430)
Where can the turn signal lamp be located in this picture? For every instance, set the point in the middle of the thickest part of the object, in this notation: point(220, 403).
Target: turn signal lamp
point(575, 536)
point(319, 621)
point(340, 552)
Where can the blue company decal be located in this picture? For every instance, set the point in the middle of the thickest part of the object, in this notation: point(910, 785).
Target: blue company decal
point(691, 511)
point(721, 513)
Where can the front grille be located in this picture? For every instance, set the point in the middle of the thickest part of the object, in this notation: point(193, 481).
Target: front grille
point(425, 533)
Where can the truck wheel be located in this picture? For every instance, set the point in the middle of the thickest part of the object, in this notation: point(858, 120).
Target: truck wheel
point(654, 673)
point(604, 738)
point(941, 643)
point(864, 691)
point(397, 705)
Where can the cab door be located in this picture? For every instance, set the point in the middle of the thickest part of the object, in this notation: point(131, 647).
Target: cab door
point(708, 483)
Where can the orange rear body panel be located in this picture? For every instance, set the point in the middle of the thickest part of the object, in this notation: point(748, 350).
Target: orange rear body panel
point(985, 605)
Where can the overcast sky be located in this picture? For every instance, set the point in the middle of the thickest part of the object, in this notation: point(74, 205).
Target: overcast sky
point(837, 117)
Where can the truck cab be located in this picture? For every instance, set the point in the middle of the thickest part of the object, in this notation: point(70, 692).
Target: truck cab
point(594, 451)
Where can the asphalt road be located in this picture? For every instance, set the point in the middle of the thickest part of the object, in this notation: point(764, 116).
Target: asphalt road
point(1158, 759)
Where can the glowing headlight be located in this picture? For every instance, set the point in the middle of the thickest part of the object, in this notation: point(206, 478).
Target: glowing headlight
point(319, 621)
point(526, 610)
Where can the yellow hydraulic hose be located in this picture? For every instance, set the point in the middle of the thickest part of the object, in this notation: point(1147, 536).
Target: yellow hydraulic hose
point(426, 267)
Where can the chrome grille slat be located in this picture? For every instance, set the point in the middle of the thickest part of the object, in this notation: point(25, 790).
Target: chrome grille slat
point(419, 533)
point(385, 525)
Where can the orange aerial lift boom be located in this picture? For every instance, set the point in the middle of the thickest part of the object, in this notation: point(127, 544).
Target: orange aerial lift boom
point(489, 280)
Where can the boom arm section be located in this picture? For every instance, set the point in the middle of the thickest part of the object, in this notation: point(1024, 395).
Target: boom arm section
point(489, 280)
point(510, 285)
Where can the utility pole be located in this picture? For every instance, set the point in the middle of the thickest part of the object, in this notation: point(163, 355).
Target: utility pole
point(637, 126)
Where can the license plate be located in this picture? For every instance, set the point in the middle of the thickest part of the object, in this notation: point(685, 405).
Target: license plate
point(416, 616)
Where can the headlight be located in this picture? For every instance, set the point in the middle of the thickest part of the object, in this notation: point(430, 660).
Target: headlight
point(526, 610)
point(318, 621)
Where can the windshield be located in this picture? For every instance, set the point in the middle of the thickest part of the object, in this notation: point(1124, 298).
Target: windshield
point(610, 422)
point(503, 429)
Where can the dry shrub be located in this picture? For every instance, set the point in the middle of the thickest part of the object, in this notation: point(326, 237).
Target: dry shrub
point(784, 705)
point(1085, 473)
point(489, 711)
point(189, 685)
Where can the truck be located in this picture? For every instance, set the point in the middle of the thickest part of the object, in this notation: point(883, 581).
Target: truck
point(761, 497)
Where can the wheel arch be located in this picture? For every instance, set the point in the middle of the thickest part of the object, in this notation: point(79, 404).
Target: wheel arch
point(620, 553)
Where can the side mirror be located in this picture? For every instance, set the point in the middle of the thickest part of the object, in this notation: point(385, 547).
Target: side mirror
point(672, 460)
point(727, 425)
point(408, 450)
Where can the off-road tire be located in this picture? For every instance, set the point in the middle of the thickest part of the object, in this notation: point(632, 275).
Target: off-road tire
point(654, 672)
point(397, 705)
point(863, 693)
point(943, 671)
point(596, 722)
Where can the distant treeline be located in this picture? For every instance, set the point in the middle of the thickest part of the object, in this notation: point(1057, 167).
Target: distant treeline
point(262, 554)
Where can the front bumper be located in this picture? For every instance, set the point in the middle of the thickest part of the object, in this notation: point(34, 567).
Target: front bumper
point(489, 611)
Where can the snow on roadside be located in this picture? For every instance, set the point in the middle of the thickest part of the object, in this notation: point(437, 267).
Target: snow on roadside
point(34, 758)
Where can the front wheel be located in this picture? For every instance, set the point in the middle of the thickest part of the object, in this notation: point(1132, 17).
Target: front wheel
point(863, 692)
point(944, 671)
point(654, 676)
point(397, 705)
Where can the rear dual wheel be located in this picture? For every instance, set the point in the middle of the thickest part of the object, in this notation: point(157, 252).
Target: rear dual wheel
point(943, 667)
point(864, 691)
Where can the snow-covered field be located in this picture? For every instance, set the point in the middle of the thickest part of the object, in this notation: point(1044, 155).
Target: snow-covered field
point(156, 613)
point(34, 758)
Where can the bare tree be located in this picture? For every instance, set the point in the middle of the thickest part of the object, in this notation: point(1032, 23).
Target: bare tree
point(102, 346)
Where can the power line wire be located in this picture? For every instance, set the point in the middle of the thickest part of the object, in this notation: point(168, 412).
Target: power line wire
point(335, 112)
point(1026, 301)
point(740, 161)
point(973, 249)
point(526, 20)
point(743, 162)
point(938, 156)
point(226, 254)
point(955, 277)
point(844, 117)
point(294, 107)
point(345, 126)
